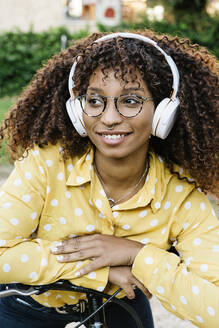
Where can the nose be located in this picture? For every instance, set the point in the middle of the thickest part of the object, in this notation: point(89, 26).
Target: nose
point(110, 116)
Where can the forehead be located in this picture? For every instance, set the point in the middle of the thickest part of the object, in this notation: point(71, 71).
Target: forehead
point(108, 76)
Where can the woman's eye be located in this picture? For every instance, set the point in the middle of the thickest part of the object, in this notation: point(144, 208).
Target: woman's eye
point(131, 100)
point(94, 101)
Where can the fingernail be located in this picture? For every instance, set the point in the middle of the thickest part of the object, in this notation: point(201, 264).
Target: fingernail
point(60, 257)
point(59, 243)
point(54, 249)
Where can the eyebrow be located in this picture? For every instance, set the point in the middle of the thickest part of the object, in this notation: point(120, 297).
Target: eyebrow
point(125, 89)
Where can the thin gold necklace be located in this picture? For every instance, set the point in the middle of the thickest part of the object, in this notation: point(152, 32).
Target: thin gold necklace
point(112, 201)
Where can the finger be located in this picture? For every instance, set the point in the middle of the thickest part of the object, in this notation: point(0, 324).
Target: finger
point(128, 289)
point(71, 245)
point(66, 246)
point(93, 266)
point(76, 256)
point(142, 288)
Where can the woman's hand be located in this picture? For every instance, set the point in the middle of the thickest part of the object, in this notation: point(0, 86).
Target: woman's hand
point(123, 277)
point(104, 250)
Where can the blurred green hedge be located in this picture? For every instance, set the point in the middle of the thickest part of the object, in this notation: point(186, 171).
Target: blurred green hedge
point(202, 29)
point(23, 53)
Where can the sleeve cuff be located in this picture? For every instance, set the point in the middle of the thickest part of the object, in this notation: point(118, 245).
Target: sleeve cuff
point(152, 261)
point(96, 280)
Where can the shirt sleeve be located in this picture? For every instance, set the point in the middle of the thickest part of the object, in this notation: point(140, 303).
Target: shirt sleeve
point(188, 284)
point(23, 258)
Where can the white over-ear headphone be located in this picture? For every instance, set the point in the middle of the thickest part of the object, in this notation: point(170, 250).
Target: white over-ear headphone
point(165, 112)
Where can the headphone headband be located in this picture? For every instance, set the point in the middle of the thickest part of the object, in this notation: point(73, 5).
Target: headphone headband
point(171, 63)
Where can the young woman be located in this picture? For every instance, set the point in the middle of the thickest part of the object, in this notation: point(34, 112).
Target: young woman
point(101, 191)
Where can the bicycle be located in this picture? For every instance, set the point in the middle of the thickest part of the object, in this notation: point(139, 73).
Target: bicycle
point(96, 306)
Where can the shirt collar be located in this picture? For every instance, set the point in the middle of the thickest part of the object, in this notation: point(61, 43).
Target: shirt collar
point(81, 172)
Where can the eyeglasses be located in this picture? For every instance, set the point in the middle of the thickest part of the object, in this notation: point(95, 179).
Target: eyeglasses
point(126, 105)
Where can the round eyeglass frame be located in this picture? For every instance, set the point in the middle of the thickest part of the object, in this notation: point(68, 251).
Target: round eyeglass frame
point(143, 99)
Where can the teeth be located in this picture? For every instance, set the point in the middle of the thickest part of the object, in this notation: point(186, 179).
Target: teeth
point(114, 136)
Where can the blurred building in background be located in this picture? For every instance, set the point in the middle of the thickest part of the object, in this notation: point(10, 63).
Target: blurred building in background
point(75, 14)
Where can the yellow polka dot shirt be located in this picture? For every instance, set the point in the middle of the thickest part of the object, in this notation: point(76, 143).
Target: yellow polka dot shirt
point(47, 199)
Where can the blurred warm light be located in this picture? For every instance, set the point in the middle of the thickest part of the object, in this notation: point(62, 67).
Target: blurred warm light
point(213, 7)
point(74, 7)
point(155, 13)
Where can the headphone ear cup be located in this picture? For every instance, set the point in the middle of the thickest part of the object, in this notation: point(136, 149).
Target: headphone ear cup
point(164, 117)
point(74, 111)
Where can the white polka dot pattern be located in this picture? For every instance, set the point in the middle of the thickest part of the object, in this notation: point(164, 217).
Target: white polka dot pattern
point(2, 242)
point(179, 188)
point(78, 211)
point(90, 227)
point(160, 290)
point(62, 220)
point(145, 240)
point(44, 262)
point(33, 215)
point(26, 198)
point(183, 299)
point(156, 218)
point(142, 214)
point(199, 319)
point(197, 241)
point(28, 175)
point(17, 182)
point(98, 203)
point(126, 227)
point(68, 194)
point(154, 222)
point(188, 205)
point(33, 275)
point(216, 248)
point(195, 290)
point(49, 163)
point(149, 260)
point(6, 205)
point(24, 258)
point(167, 205)
point(202, 206)
point(6, 267)
point(211, 311)
point(14, 221)
point(157, 205)
point(204, 267)
point(70, 167)
point(60, 176)
point(92, 275)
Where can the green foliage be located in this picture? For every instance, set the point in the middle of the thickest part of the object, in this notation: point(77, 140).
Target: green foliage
point(23, 53)
point(202, 29)
point(5, 104)
point(185, 5)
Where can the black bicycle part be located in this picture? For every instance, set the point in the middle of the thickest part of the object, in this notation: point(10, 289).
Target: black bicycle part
point(67, 286)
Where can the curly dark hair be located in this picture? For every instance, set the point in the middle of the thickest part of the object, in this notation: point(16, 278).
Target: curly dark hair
point(40, 116)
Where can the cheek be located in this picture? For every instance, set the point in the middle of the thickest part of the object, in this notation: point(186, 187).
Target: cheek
point(145, 122)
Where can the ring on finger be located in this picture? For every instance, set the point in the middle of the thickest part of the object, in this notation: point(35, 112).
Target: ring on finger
point(76, 243)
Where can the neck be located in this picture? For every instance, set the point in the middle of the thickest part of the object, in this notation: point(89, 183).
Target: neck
point(120, 175)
